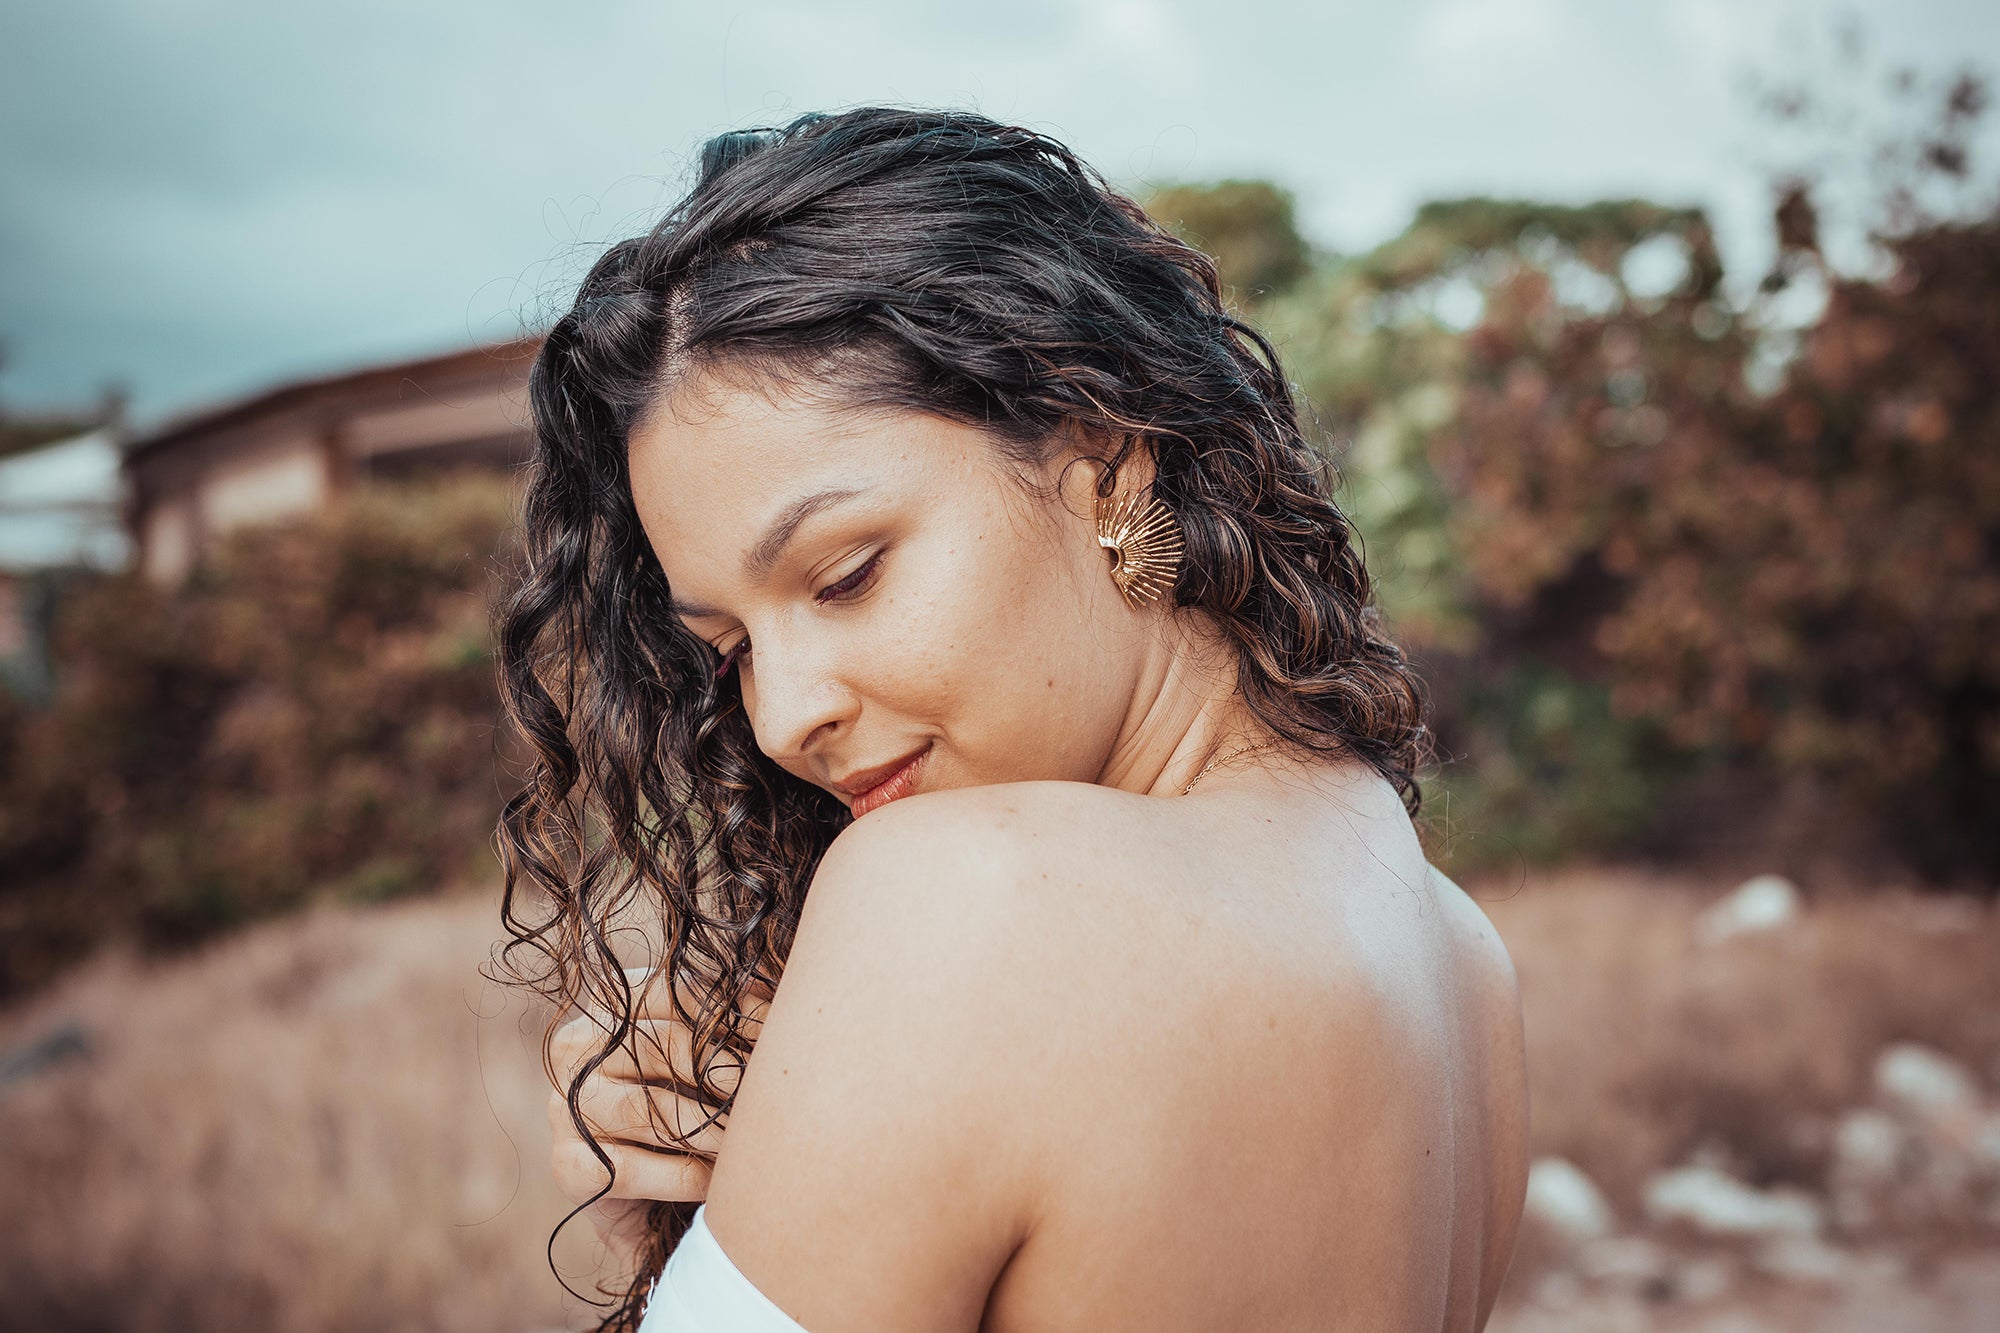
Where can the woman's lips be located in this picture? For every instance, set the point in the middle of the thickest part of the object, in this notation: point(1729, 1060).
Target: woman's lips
point(900, 783)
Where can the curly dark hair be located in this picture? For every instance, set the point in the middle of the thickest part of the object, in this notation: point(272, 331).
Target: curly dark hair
point(929, 261)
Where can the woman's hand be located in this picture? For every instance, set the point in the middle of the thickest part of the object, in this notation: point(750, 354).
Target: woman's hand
point(626, 1101)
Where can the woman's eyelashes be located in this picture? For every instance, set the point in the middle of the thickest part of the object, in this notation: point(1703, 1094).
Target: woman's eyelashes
point(845, 590)
point(853, 584)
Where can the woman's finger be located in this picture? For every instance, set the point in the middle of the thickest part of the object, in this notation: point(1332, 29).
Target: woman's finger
point(659, 1046)
point(662, 1052)
point(638, 1113)
point(658, 1051)
point(637, 1173)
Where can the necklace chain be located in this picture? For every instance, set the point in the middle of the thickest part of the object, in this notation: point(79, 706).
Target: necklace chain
point(1248, 749)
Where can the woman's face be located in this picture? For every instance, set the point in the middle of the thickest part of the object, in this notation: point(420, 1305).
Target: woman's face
point(901, 594)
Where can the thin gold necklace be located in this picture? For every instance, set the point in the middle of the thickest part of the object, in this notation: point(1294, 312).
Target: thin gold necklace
point(1248, 749)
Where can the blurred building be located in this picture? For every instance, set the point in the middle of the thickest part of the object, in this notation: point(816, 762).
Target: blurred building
point(61, 505)
point(293, 447)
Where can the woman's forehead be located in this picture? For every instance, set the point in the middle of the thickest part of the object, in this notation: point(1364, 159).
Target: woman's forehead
point(712, 482)
point(729, 441)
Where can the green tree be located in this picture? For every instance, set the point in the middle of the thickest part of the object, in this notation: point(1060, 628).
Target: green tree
point(1247, 227)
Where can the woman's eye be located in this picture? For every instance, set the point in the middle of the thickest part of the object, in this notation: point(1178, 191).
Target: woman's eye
point(848, 587)
point(852, 584)
point(742, 649)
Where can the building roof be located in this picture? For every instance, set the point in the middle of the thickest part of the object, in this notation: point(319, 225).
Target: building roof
point(371, 381)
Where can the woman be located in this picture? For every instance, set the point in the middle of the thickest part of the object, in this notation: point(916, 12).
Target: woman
point(932, 601)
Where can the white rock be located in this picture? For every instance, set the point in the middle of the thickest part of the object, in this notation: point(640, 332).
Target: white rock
point(1717, 1204)
point(1927, 1085)
point(1873, 1157)
point(1758, 904)
point(1567, 1201)
point(1870, 1148)
point(1929, 1163)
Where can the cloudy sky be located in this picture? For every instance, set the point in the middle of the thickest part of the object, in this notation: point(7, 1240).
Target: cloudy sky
point(199, 198)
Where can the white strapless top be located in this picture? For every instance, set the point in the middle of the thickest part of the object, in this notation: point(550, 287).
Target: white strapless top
point(701, 1291)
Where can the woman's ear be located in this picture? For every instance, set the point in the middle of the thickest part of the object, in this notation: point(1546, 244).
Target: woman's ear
point(1093, 453)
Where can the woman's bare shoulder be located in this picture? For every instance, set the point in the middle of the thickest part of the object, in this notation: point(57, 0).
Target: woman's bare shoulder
point(1023, 900)
point(1065, 904)
point(1489, 965)
point(905, 1054)
point(970, 875)
point(1003, 841)
point(877, 1142)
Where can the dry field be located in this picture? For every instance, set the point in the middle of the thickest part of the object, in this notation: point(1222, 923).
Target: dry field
point(1650, 1049)
point(327, 1123)
point(333, 1122)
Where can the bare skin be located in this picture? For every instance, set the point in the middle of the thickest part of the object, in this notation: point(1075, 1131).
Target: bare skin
point(1057, 1047)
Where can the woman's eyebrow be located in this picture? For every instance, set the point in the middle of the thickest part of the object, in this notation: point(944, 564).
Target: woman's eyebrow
point(765, 554)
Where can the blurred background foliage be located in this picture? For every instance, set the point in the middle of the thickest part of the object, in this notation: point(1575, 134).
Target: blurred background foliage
point(1696, 567)
point(1692, 574)
point(313, 716)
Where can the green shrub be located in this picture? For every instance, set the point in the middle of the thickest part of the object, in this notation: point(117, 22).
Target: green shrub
point(1548, 769)
point(1739, 543)
point(1247, 227)
point(313, 715)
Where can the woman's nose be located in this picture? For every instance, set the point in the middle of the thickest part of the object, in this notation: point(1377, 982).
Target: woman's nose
point(796, 695)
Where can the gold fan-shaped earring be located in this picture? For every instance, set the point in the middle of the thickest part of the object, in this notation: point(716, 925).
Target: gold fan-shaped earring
point(1145, 544)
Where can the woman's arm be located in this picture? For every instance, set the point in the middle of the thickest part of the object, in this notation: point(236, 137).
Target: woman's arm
point(875, 1176)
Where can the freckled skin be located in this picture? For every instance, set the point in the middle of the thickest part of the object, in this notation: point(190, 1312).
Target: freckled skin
point(1272, 1013)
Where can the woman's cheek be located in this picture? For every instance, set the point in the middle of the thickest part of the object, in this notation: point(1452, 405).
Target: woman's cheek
point(946, 642)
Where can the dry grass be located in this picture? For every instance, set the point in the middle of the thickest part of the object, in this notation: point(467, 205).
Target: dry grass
point(1644, 1045)
point(327, 1123)
point(333, 1123)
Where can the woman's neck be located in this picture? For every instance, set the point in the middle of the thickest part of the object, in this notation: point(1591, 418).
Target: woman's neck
point(1185, 712)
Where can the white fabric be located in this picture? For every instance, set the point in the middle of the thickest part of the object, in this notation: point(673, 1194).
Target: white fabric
point(702, 1291)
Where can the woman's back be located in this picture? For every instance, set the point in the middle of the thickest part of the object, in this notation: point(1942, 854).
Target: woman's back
point(1052, 1056)
point(1316, 1116)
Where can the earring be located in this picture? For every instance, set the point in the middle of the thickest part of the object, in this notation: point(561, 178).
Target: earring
point(1145, 544)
